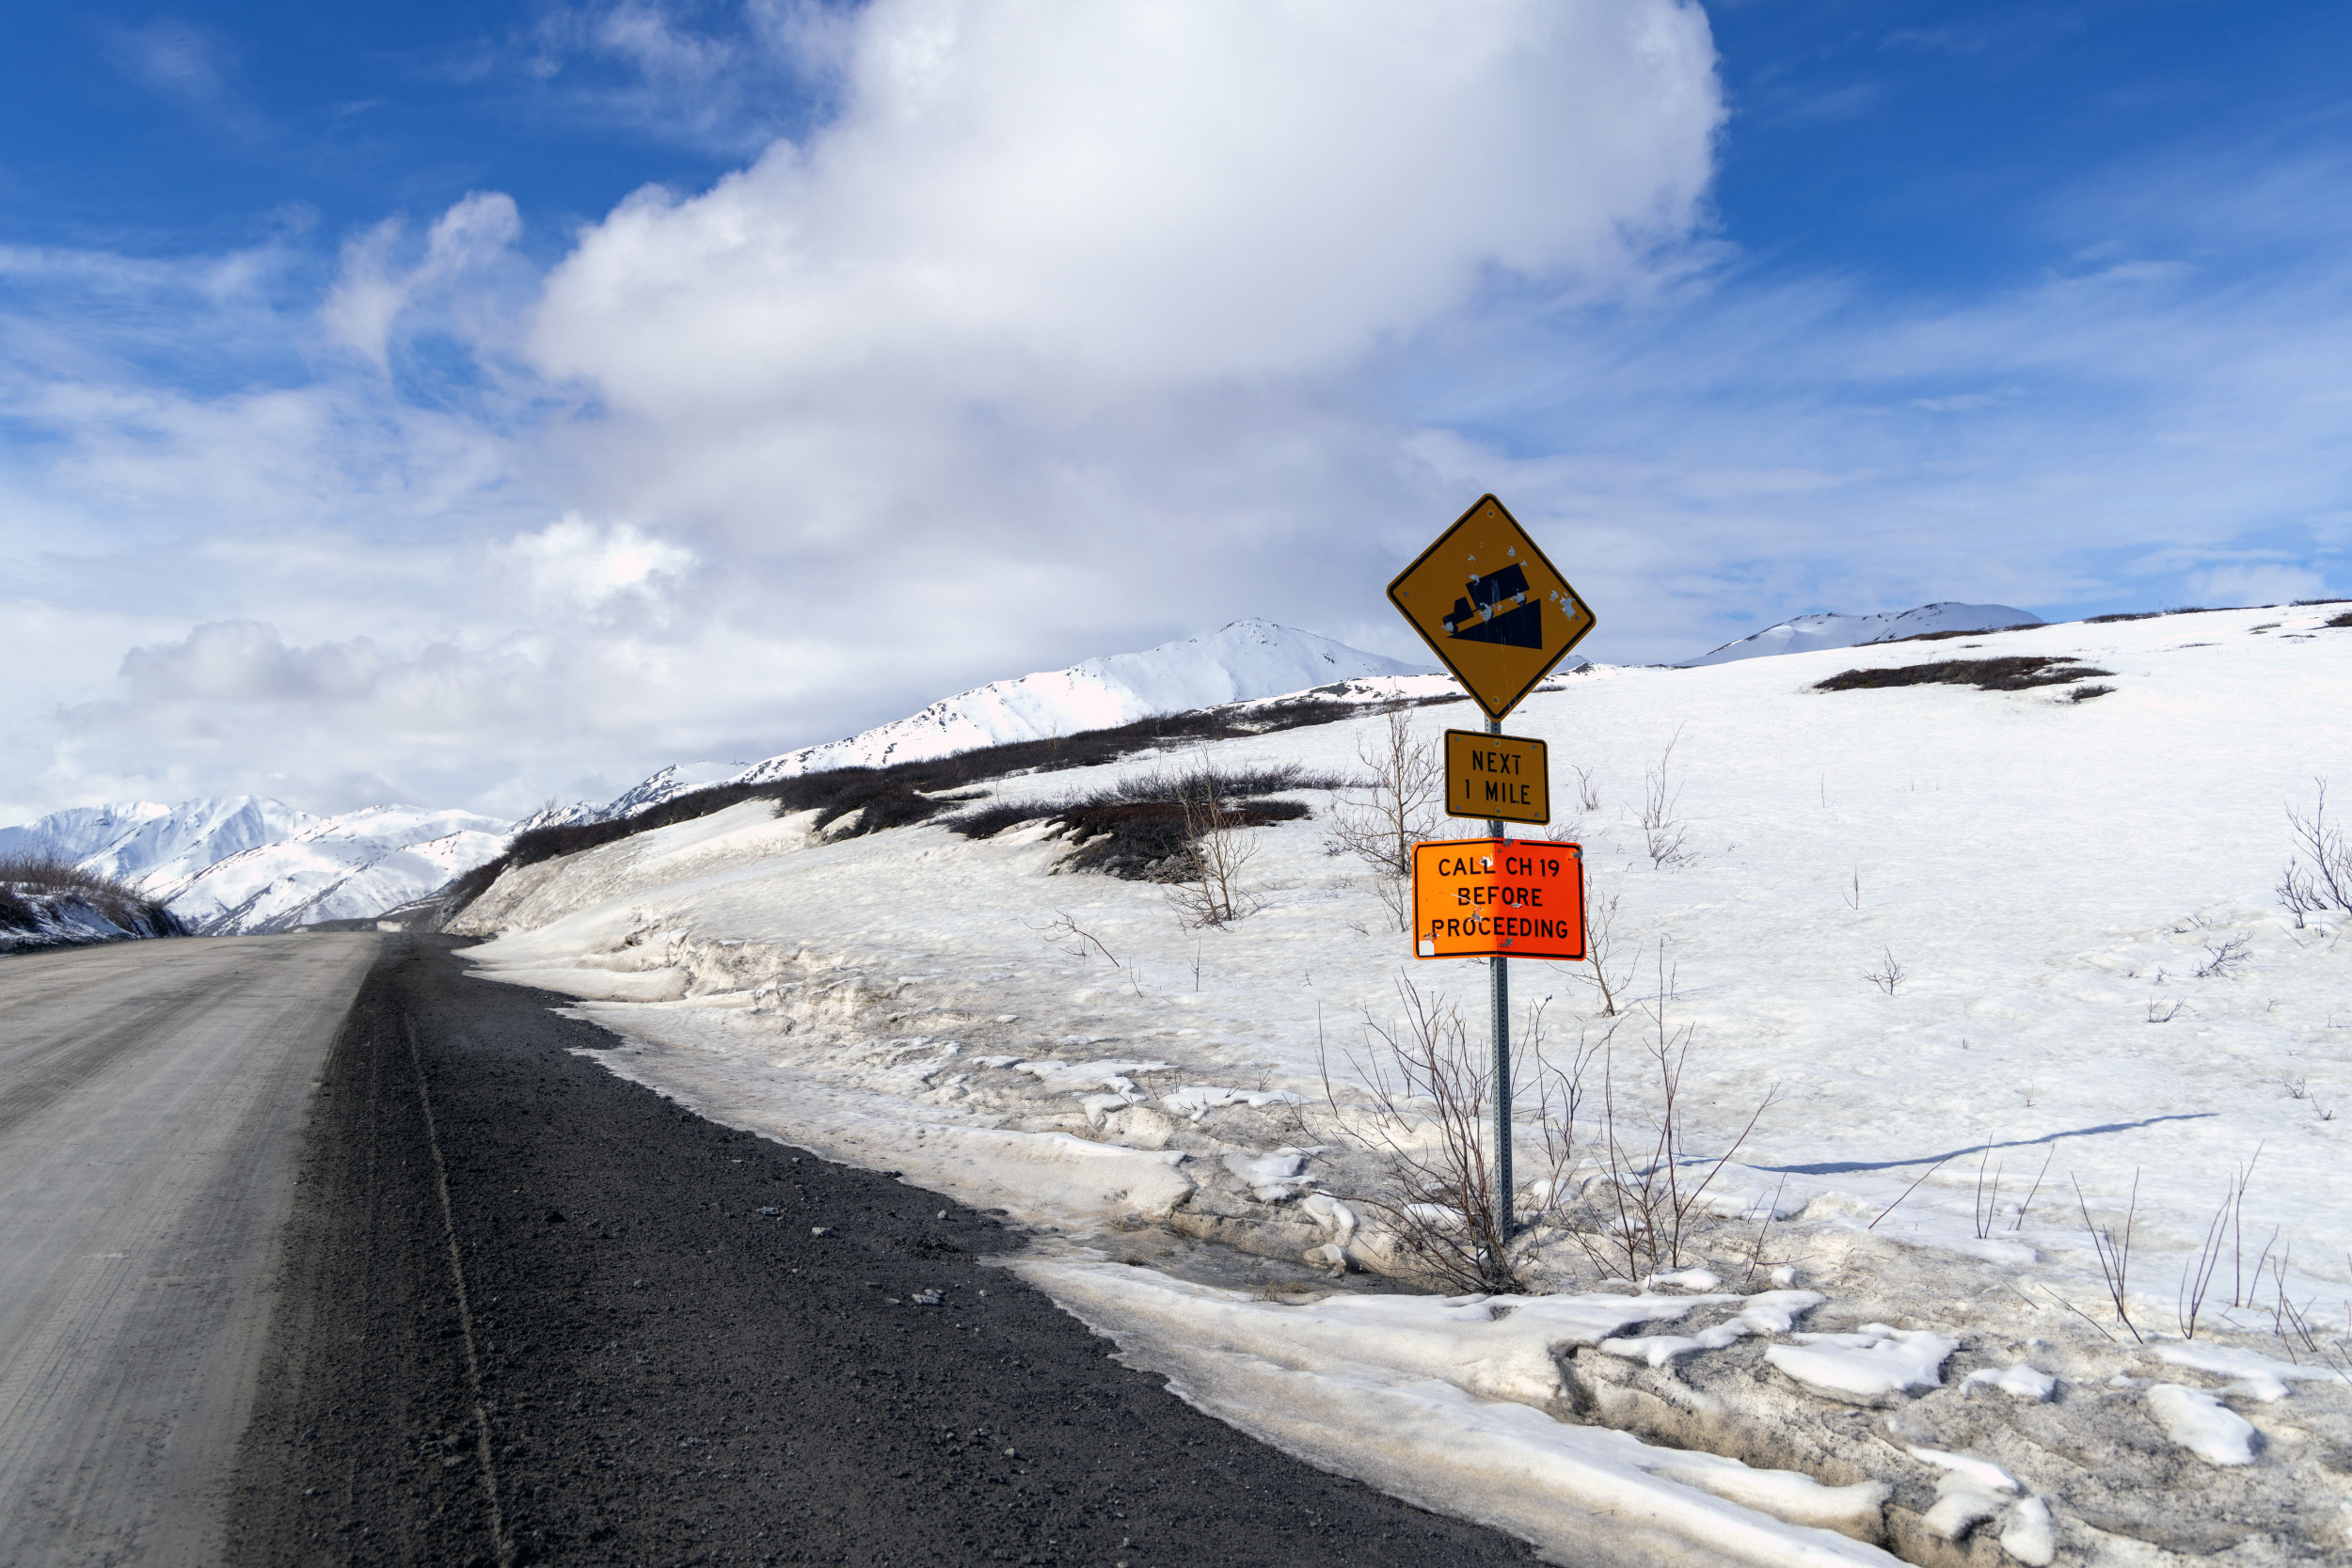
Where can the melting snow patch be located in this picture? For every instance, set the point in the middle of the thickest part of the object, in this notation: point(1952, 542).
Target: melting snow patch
point(1087, 1075)
point(1767, 1313)
point(1871, 1366)
point(1197, 1099)
point(2260, 1377)
point(1687, 1280)
point(1968, 1492)
point(1271, 1177)
point(2019, 1381)
point(1980, 1474)
point(2200, 1423)
point(2026, 1537)
point(1956, 1513)
point(1432, 1399)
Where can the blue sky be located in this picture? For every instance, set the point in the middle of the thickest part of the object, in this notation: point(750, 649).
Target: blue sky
point(474, 405)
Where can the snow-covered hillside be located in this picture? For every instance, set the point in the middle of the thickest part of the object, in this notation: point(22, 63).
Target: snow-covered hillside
point(349, 867)
point(1805, 634)
point(34, 916)
point(1244, 661)
point(1974, 952)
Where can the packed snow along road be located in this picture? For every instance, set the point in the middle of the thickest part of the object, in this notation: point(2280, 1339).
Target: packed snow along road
point(2052, 1088)
point(150, 1096)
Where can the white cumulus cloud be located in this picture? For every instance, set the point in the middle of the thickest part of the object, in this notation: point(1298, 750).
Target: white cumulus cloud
point(1132, 192)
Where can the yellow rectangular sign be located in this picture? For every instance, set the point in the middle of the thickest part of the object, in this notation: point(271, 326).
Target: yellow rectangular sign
point(1498, 897)
point(1500, 776)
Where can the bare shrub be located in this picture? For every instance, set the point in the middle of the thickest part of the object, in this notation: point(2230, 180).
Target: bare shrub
point(988, 820)
point(1399, 809)
point(1646, 1198)
point(1988, 1205)
point(2318, 877)
point(1432, 1093)
point(42, 874)
point(1663, 836)
point(1217, 848)
point(1608, 958)
point(1587, 796)
point(1066, 928)
point(2221, 958)
point(2227, 1228)
point(2019, 674)
point(2114, 1253)
point(1889, 974)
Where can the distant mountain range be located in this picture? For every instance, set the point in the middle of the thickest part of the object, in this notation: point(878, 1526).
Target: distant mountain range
point(245, 863)
point(1805, 634)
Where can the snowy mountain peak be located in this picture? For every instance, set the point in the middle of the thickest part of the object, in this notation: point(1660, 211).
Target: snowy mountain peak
point(1239, 662)
point(346, 867)
point(1242, 661)
point(1805, 634)
point(148, 844)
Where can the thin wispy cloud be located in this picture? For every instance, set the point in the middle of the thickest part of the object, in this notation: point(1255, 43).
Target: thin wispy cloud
point(190, 67)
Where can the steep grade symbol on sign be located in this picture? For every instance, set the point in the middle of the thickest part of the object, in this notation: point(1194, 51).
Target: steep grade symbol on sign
point(1491, 607)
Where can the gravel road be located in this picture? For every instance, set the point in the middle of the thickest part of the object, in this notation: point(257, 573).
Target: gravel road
point(533, 1312)
point(151, 1097)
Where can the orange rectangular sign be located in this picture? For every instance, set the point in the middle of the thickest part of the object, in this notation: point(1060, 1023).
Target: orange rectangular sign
point(1498, 897)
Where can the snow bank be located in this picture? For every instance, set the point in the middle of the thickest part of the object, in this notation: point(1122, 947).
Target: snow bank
point(1404, 1392)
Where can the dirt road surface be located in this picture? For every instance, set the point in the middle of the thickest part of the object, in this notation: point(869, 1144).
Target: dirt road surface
point(533, 1312)
point(151, 1100)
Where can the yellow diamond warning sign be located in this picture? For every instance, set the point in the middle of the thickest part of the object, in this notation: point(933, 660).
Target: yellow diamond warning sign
point(1491, 607)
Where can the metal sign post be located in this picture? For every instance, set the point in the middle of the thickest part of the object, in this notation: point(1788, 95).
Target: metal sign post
point(1499, 973)
point(1495, 609)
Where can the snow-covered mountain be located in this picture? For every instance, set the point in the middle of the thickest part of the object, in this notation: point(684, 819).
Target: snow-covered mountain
point(679, 778)
point(1244, 661)
point(1805, 634)
point(347, 867)
point(245, 863)
point(151, 846)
